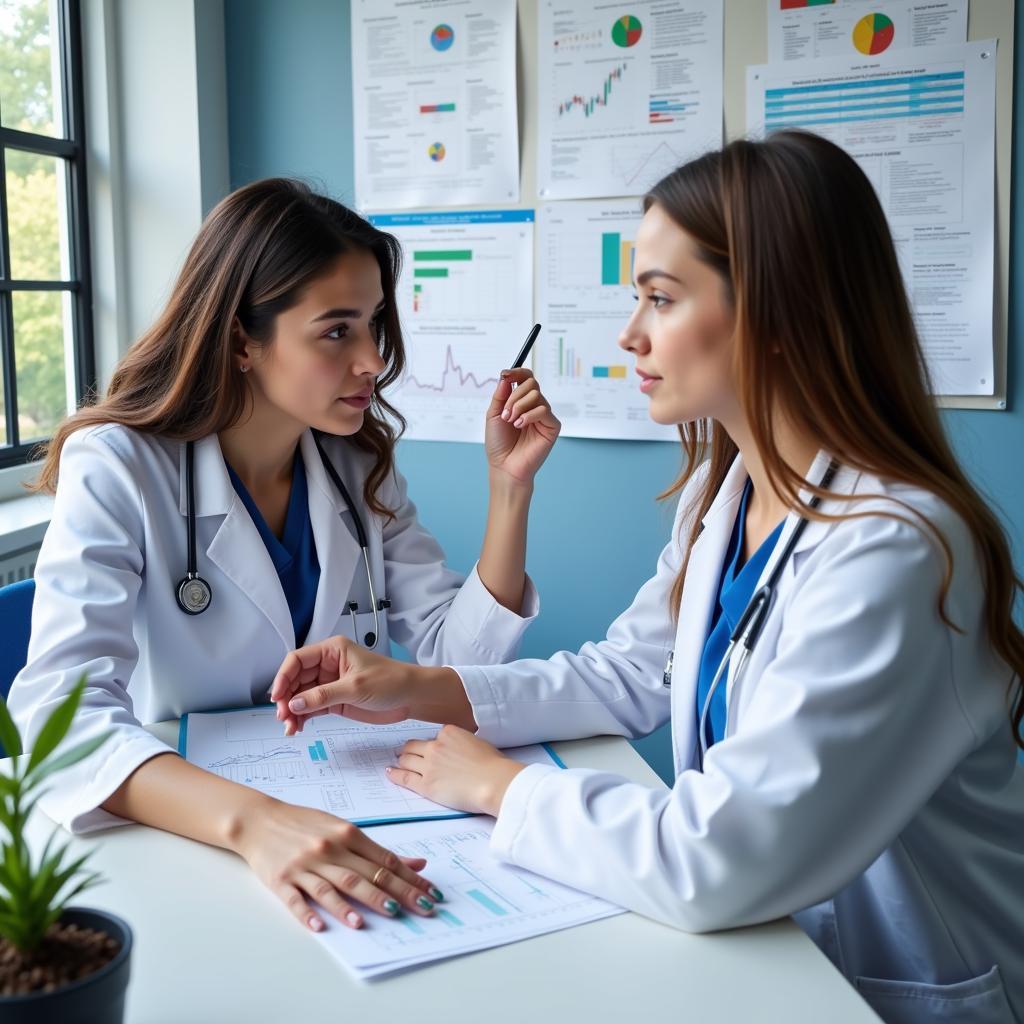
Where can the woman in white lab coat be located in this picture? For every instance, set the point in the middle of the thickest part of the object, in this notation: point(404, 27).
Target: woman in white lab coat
point(860, 772)
point(281, 333)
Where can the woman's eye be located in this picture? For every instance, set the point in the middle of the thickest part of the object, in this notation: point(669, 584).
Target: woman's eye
point(337, 333)
point(657, 301)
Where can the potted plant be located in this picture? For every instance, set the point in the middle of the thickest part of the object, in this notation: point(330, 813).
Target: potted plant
point(57, 963)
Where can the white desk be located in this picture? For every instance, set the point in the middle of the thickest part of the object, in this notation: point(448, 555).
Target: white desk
point(211, 944)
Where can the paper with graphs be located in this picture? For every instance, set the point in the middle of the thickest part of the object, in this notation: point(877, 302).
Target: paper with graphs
point(333, 765)
point(487, 903)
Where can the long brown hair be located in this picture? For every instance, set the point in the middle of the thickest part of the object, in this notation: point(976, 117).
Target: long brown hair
point(824, 332)
point(254, 255)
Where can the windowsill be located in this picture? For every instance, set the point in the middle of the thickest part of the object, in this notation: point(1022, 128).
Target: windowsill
point(23, 520)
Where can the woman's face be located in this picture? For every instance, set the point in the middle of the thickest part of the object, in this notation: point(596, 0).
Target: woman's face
point(681, 331)
point(322, 363)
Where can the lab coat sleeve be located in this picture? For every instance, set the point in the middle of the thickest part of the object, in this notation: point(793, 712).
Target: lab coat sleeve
point(849, 731)
point(612, 687)
point(438, 615)
point(88, 576)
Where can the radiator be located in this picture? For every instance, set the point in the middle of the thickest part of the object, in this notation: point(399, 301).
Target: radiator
point(18, 564)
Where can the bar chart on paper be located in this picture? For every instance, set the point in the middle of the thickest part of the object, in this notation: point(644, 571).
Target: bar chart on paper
point(585, 297)
point(486, 903)
point(466, 278)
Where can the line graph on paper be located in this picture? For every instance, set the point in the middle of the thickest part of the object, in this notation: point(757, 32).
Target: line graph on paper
point(334, 764)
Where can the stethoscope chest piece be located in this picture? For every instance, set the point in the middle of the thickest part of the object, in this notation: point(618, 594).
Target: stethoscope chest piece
point(193, 594)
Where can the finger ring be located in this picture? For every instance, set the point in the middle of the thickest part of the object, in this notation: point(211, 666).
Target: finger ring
point(377, 874)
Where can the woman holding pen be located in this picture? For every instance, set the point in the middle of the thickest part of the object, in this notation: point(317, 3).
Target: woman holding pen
point(234, 495)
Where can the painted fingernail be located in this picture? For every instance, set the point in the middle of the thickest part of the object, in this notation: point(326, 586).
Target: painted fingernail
point(315, 923)
point(391, 906)
point(436, 893)
point(519, 422)
point(353, 919)
point(298, 704)
point(504, 414)
point(388, 769)
point(422, 901)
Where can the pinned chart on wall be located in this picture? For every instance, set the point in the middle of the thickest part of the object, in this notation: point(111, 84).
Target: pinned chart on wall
point(465, 299)
point(807, 29)
point(434, 107)
point(625, 93)
point(584, 298)
point(921, 124)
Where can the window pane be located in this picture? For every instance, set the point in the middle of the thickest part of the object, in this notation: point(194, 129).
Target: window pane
point(30, 97)
point(3, 406)
point(37, 216)
point(43, 354)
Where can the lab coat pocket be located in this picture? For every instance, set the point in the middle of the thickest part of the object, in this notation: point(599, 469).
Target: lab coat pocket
point(980, 1000)
point(364, 629)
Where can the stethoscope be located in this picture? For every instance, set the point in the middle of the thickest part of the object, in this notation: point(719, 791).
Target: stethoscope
point(752, 621)
point(194, 594)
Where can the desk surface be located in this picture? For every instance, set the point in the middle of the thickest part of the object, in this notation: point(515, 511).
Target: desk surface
point(211, 944)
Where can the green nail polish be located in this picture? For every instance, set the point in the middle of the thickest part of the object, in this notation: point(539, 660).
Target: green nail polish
point(391, 906)
point(422, 901)
point(436, 893)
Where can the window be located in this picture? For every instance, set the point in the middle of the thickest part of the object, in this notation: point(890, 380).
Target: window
point(46, 352)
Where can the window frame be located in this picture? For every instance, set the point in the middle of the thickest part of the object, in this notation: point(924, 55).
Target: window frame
point(72, 150)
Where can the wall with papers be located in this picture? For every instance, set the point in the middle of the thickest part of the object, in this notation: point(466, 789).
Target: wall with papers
point(290, 112)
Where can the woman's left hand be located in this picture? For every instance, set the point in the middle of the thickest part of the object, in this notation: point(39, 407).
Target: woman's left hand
point(520, 427)
point(456, 769)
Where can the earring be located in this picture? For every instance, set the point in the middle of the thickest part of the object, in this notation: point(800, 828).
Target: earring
point(244, 369)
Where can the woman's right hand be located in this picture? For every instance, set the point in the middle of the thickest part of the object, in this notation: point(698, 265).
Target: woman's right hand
point(339, 677)
point(302, 854)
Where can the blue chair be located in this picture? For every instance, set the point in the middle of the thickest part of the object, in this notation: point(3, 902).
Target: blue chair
point(15, 627)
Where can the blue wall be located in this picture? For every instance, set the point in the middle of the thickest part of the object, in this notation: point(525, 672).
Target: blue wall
point(596, 529)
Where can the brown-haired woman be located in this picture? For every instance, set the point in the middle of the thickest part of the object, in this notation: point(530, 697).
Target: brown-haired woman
point(252, 414)
point(860, 770)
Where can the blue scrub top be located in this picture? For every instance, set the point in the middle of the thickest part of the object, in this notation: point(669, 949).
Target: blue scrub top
point(735, 589)
point(294, 555)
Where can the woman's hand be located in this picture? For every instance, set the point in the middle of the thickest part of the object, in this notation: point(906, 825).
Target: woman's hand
point(456, 769)
point(302, 854)
point(520, 428)
point(340, 677)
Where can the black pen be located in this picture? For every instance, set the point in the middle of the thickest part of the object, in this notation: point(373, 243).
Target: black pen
point(527, 345)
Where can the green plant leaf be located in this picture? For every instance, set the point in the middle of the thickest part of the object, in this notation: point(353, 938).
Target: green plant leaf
point(77, 753)
point(9, 731)
point(56, 726)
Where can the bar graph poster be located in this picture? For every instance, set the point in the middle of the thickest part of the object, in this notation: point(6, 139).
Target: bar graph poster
point(434, 102)
point(921, 124)
point(585, 297)
point(466, 302)
point(627, 93)
point(805, 29)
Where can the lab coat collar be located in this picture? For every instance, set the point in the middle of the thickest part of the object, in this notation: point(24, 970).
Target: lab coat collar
point(214, 493)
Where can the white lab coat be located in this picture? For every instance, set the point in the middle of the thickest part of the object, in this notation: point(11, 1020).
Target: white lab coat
point(867, 783)
point(105, 604)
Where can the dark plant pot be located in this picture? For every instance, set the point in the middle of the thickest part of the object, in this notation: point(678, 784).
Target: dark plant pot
point(97, 999)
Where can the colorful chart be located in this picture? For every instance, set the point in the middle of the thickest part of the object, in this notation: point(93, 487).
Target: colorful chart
point(627, 31)
point(442, 37)
point(616, 259)
point(588, 103)
point(873, 34)
point(436, 152)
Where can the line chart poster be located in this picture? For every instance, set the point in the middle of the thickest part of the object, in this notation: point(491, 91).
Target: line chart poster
point(465, 298)
point(628, 92)
point(434, 102)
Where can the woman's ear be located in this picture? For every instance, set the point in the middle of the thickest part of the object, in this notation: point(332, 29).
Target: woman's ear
point(241, 346)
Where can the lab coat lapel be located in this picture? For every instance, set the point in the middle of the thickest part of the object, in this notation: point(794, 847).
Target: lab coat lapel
point(699, 592)
point(237, 548)
point(336, 546)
